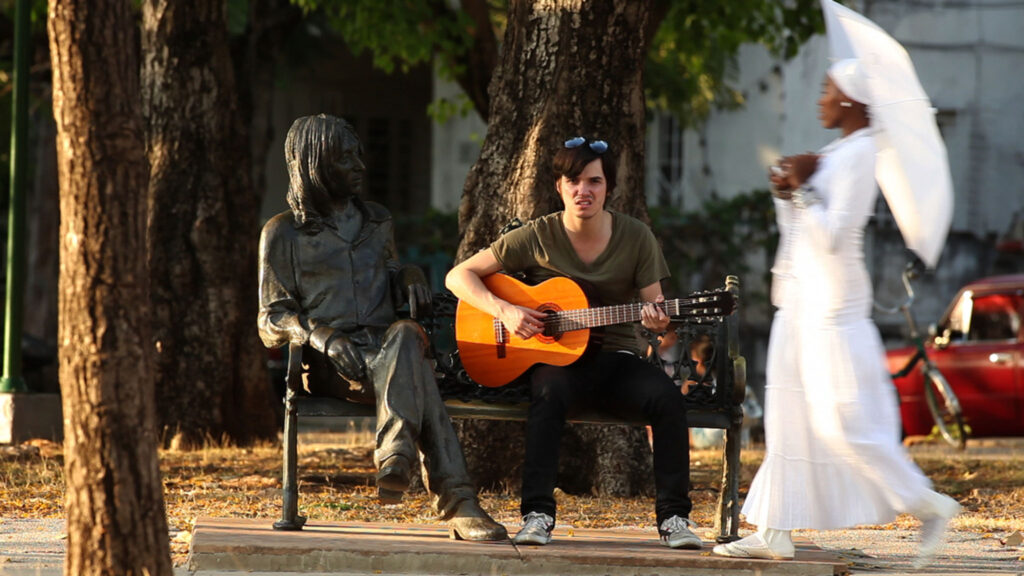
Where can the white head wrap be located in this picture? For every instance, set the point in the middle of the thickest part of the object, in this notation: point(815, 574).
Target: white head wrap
point(849, 77)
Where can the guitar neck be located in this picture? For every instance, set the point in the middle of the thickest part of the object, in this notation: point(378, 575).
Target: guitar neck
point(568, 320)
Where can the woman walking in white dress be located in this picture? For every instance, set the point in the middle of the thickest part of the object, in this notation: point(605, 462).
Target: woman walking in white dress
point(832, 426)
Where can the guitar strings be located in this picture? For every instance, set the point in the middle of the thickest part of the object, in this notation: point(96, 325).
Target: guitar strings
point(570, 320)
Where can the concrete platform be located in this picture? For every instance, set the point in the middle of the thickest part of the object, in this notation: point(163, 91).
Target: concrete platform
point(27, 415)
point(252, 545)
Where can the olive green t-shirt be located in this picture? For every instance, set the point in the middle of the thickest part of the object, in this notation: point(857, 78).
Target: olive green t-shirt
point(541, 250)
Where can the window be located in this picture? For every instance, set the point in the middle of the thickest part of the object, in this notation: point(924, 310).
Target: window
point(994, 317)
point(670, 161)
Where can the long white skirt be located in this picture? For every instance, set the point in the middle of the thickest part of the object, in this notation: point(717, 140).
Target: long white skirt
point(832, 432)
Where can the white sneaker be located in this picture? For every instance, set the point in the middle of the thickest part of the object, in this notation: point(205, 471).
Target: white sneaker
point(754, 546)
point(675, 533)
point(933, 527)
point(536, 529)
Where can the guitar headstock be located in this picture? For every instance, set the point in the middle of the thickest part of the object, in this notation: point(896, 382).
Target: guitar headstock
point(702, 307)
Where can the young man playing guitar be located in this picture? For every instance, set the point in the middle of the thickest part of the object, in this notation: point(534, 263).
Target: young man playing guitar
point(620, 259)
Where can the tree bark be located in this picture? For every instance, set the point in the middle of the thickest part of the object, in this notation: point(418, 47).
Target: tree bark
point(475, 76)
point(569, 67)
point(115, 511)
point(257, 55)
point(210, 368)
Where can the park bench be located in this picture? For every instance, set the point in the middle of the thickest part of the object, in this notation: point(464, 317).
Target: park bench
point(715, 402)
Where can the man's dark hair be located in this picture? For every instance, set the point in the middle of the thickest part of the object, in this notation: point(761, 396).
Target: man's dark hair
point(310, 150)
point(570, 162)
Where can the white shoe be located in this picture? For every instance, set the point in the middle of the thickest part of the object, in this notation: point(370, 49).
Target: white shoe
point(536, 529)
point(675, 533)
point(933, 527)
point(754, 546)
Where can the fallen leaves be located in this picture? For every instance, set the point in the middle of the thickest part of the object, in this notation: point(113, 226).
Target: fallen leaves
point(336, 484)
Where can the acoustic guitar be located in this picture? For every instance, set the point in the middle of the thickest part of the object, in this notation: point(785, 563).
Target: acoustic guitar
point(493, 357)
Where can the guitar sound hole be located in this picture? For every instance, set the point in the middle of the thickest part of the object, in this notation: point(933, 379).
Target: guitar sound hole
point(550, 334)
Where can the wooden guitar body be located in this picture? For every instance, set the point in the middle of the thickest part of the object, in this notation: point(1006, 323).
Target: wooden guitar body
point(494, 357)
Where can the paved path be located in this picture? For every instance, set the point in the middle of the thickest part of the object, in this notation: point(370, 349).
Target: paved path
point(374, 548)
point(36, 548)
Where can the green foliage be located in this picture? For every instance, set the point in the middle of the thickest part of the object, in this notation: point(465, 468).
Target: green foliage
point(37, 36)
point(428, 240)
point(692, 57)
point(444, 109)
point(238, 17)
point(400, 34)
point(703, 246)
point(432, 231)
point(37, 12)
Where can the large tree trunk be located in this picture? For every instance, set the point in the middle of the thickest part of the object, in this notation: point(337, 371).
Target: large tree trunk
point(257, 55)
point(115, 511)
point(569, 67)
point(210, 367)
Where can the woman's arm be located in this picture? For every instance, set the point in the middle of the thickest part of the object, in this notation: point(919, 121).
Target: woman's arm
point(850, 179)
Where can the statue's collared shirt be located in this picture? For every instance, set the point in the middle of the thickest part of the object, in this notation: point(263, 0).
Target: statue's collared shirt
point(310, 280)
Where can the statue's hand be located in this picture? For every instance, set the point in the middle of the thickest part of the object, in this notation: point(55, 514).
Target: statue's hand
point(343, 354)
point(420, 300)
point(347, 359)
point(415, 289)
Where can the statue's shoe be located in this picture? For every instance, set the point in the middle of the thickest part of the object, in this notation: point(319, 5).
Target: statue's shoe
point(470, 522)
point(393, 479)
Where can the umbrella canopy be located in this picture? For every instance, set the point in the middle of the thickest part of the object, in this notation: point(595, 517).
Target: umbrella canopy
point(912, 166)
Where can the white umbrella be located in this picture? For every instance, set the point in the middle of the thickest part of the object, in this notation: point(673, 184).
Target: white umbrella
point(912, 166)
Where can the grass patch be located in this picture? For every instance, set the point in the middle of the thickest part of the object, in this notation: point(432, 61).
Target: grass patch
point(336, 484)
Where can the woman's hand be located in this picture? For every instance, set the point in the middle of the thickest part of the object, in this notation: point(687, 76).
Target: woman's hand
point(799, 168)
point(790, 173)
point(779, 177)
point(653, 317)
point(521, 321)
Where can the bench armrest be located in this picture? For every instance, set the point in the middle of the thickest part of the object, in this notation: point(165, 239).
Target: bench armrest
point(294, 374)
point(739, 363)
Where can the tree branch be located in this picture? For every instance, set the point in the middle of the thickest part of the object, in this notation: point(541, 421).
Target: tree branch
point(482, 57)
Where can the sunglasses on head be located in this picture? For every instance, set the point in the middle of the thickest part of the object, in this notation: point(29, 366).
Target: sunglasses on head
point(597, 146)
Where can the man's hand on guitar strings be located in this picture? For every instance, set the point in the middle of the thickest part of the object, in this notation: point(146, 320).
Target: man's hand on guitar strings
point(522, 321)
point(653, 317)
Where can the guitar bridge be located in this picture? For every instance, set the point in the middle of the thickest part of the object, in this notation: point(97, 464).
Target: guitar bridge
point(501, 337)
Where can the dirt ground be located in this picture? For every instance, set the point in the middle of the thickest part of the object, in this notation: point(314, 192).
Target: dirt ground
point(336, 479)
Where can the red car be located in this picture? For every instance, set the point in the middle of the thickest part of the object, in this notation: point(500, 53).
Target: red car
point(979, 347)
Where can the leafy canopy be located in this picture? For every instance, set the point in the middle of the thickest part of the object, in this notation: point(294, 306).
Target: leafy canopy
point(690, 64)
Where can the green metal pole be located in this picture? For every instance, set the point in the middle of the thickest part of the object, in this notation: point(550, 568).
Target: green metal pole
point(12, 380)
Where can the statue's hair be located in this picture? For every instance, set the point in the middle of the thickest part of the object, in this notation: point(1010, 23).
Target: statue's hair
point(312, 146)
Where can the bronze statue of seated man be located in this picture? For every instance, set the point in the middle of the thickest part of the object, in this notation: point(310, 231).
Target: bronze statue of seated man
point(330, 280)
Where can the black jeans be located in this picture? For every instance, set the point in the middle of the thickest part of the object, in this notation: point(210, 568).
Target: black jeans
point(621, 385)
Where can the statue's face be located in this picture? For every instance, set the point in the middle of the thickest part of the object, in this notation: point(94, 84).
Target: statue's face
point(348, 171)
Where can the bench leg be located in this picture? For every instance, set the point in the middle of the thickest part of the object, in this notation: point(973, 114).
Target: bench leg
point(290, 519)
point(727, 522)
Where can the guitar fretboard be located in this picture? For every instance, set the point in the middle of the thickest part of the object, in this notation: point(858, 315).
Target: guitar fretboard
point(700, 307)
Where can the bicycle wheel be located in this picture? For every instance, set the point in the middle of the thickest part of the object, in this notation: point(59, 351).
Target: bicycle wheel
point(945, 407)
